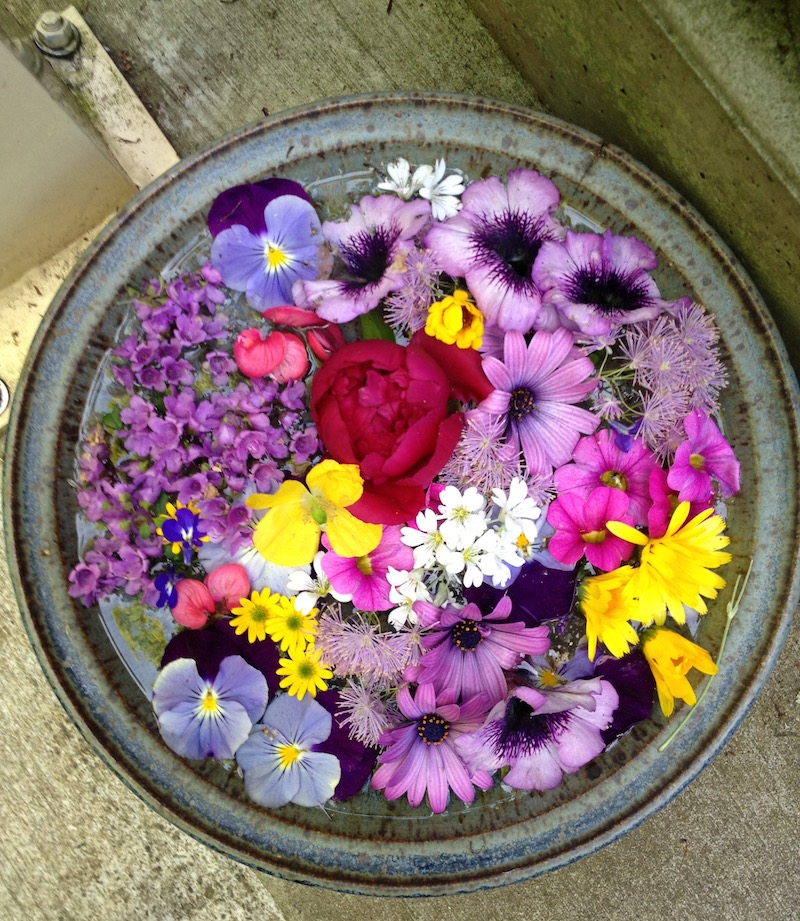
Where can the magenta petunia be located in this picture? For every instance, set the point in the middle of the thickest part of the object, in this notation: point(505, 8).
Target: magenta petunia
point(536, 386)
point(580, 528)
point(420, 755)
point(599, 461)
point(704, 454)
point(665, 501)
point(493, 243)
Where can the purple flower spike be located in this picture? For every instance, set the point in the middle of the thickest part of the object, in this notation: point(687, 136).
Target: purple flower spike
point(494, 242)
point(201, 718)
point(245, 204)
point(266, 264)
point(596, 282)
point(279, 763)
point(703, 455)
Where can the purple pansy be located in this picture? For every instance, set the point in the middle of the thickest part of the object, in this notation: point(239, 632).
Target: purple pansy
point(493, 243)
point(373, 245)
point(185, 532)
point(278, 760)
point(597, 282)
point(200, 717)
point(245, 204)
point(536, 386)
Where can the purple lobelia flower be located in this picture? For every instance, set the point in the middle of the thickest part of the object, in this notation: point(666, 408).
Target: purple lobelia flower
point(420, 755)
point(200, 717)
point(598, 282)
point(373, 245)
point(278, 760)
point(535, 386)
point(494, 242)
point(467, 651)
point(543, 734)
point(266, 264)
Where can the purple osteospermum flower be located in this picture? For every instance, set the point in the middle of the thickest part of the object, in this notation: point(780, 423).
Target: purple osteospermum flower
point(597, 282)
point(266, 264)
point(467, 652)
point(420, 755)
point(200, 717)
point(373, 245)
point(703, 455)
point(493, 243)
point(543, 734)
point(535, 386)
point(278, 760)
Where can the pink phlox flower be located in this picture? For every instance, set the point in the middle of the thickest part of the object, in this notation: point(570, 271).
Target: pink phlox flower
point(543, 734)
point(598, 461)
point(469, 652)
point(665, 501)
point(580, 528)
point(364, 577)
point(704, 454)
point(420, 755)
point(535, 386)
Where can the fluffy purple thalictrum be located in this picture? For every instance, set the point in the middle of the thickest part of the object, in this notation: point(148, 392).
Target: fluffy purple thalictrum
point(597, 282)
point(420, 755)
point(200, 717)
point(265, 264)
point(493, 243)
point(580, 528)
point(278, 760)
point(245, 204)
point(540, 735)
point(535, 387)
point(704, 454)
point(373, 246)
point(599, 461)
point(467, 651)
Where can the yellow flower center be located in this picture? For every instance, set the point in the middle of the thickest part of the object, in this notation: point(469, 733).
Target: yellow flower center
point(615, 480)
point(289, 754)
point(306, 671)
point(697, 461)
point(274, 256)
point(364, 565)
point(209, 701)
point(593, 537)
point(259, 614)
point(548, 678)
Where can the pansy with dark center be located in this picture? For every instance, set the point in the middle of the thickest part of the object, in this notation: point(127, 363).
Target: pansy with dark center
point(522, 731)
point(509, 243)
point(367, 256)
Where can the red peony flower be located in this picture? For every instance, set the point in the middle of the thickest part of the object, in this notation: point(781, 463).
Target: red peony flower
point(384, 407)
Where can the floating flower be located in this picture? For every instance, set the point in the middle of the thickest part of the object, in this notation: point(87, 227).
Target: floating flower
point(608, 613)
point(281, 355)
point(671, 657)
point(581, 528)
point(536, 386)
point(290, 628)
point(278, 760)
point(493, 243)
point(463, 518)
point(183, 530)
point(165, 583)
point(304, 672)
point(309, 590)
point(253, 613)
point(704, 454)
point(289, 533)
point(442, 192)
point(455, 320)
point(245, 204)
point(201, 718)
point(401, 181)
point(675, 570)
point(265, 265)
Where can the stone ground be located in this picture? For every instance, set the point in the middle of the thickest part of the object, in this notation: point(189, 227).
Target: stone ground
point(76, 843)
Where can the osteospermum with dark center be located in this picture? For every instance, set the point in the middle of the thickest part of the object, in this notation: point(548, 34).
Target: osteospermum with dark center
point(597, 282)
point(493, 243)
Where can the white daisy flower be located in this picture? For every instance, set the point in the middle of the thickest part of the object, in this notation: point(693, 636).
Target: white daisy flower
point(400, 180)
point(442, 192)
point(309, 590)
point(464, 517)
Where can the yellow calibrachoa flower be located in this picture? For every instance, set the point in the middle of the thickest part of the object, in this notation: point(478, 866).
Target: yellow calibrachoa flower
point(254, 613)
point(291, 628)
point(455, 320)
point(607, 613)
point(289, 533)
point(675, 570)
point(670, 656)
point(304, 672)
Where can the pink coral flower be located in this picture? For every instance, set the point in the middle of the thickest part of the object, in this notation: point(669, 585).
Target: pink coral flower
point(704, 454)
point(580, 525)
point(221, 590)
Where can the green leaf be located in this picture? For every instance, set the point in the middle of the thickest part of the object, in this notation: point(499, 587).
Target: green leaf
point(373, 326)
point(112, 420)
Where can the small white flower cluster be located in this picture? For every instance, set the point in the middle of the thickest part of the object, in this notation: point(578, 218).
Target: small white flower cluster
point(467, 541)
point(309, 590)
point(429, 182)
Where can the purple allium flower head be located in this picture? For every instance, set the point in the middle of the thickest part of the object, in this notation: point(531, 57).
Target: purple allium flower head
point(373, 245)
point(598, 281)
point(265, 265)
point(278, 760)
point(467, 651)
point(494, 241)
point(420, 755)
point(536, 386)
point(201, 718)
point(543, 734)
point(705, 454)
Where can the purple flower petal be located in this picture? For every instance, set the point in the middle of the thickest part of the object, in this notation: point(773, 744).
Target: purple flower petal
point(245, 204)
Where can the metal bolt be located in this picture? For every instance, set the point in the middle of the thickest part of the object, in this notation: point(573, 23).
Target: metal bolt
point(3, 397)
point(55, 35)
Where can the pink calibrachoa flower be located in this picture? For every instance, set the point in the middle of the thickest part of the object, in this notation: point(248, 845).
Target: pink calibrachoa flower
point(704, 454)
point(221, 590)
point(580, 525)
point(364, 577)
point(536, 385)
point(543, 734)
point(598, 461)
point(467, 651)
point(665, 501)
point(281, 355)
point(420, 755)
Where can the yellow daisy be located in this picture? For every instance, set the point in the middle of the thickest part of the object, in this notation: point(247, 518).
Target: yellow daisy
point(304, 672)
point(291, 628)
point(606, 612)
point(254, 612)
point(670, 657)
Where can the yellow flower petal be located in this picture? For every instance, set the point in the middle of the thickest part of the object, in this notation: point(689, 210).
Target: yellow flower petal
point(349, 536)
point(288, 535)
point(670, 657)
point(289, 491)
point(339, 484)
